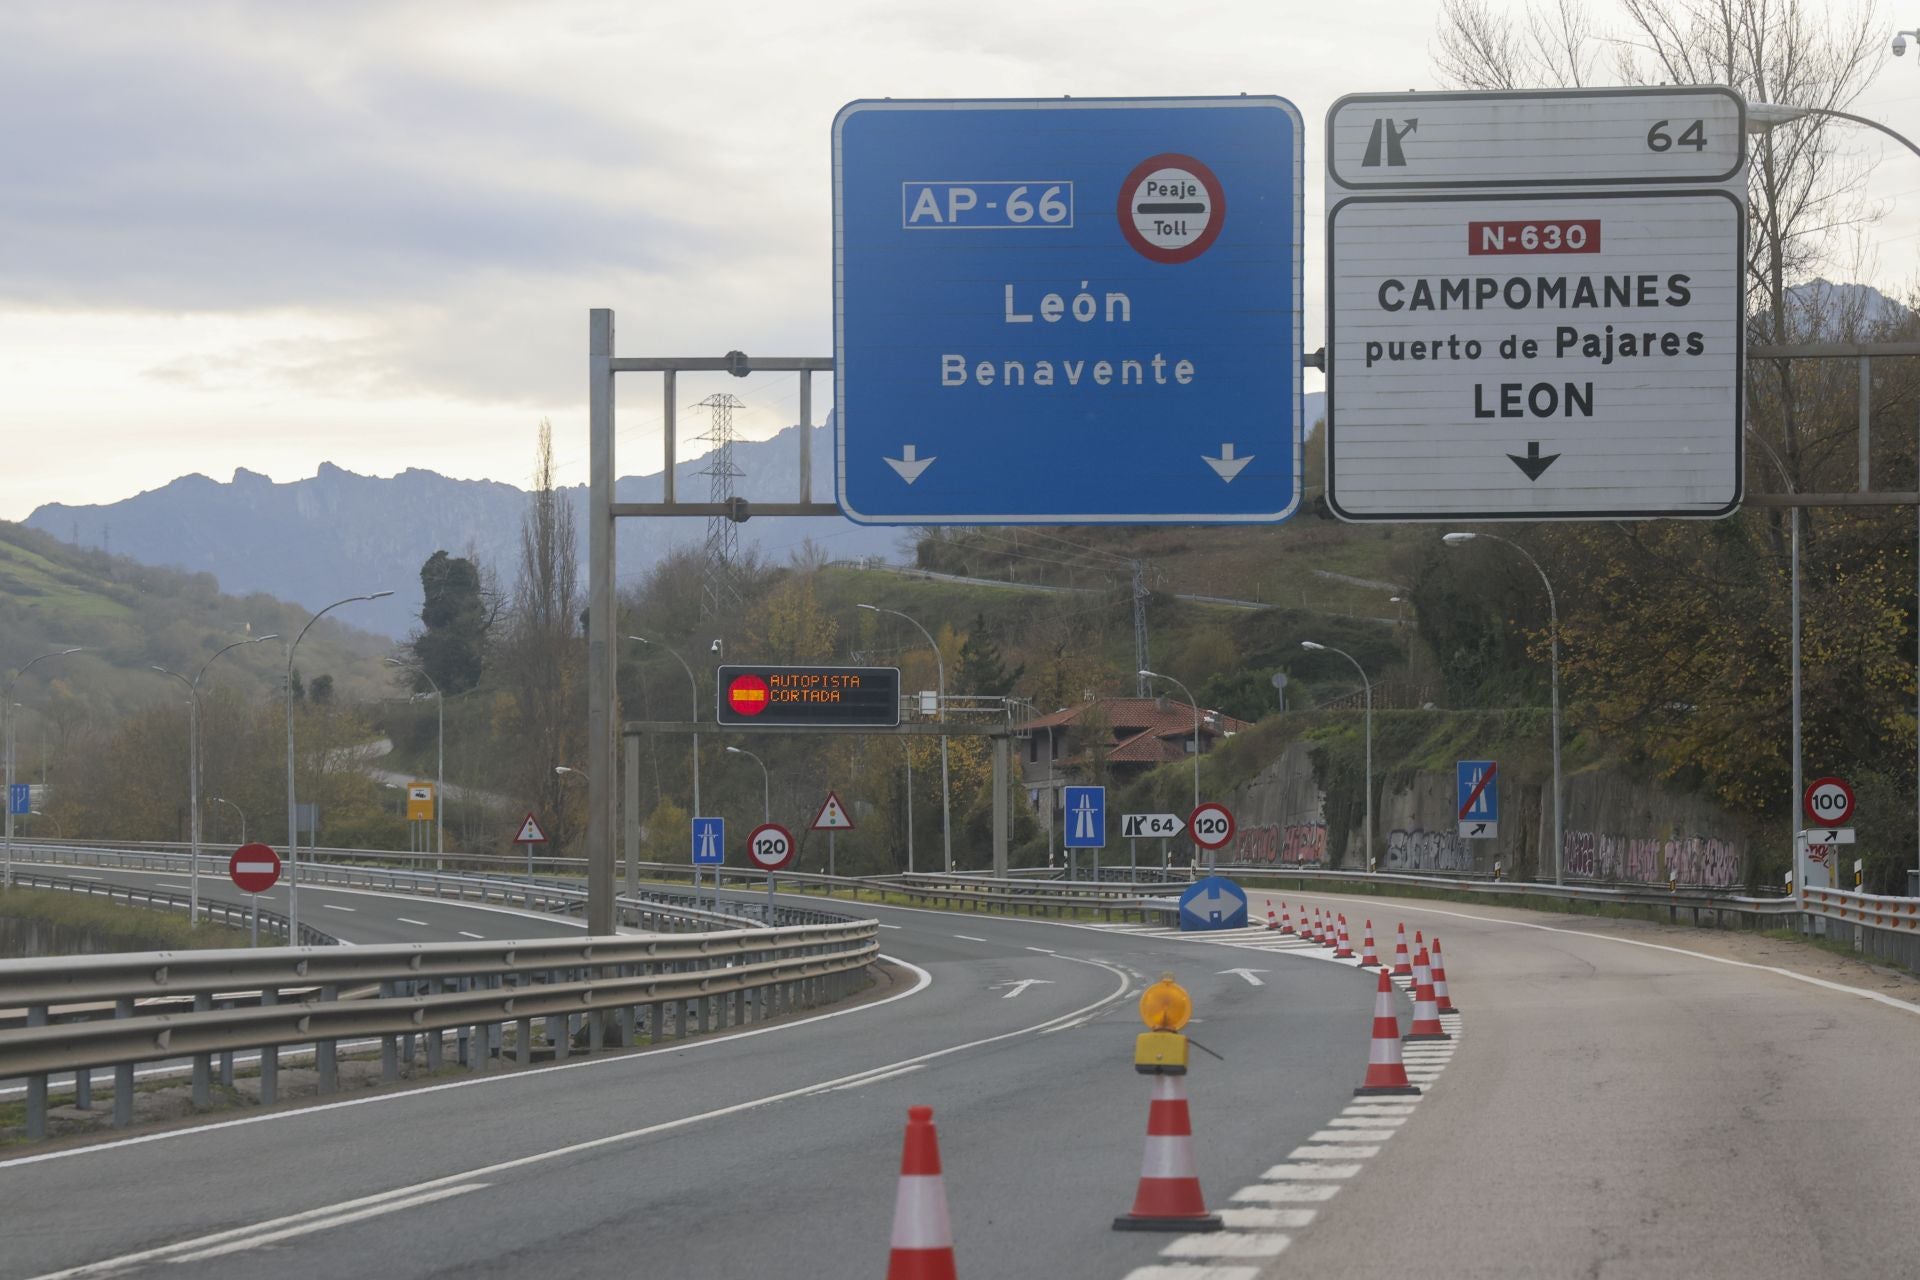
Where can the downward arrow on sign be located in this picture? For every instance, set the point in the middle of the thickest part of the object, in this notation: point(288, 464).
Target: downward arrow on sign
point(1533, 464)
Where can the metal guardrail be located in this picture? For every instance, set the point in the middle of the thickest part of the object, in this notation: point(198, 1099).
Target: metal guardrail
point(272, 922)
point(591, 991)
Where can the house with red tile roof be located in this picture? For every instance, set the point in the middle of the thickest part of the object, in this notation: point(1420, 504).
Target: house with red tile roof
point(1132, 735)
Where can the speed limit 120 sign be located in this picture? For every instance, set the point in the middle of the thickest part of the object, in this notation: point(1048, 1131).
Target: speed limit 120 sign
point(1212, 825)
point(770, 846)
point(1829, 802)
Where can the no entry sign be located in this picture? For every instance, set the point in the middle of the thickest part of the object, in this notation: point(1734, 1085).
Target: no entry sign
point(1829, 802)
point(255, 868)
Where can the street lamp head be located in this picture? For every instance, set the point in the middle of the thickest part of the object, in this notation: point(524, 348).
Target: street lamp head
point(735, 751)
point(1148, 675)
point(1763, 116)
point(560, 768)
point(1457, 539)
point(716, 646)
point(1308, 644)
point(380, 595)
point(640, 639)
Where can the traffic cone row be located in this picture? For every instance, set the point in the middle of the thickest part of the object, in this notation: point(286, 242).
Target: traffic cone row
point(1369, 959)
point(1426, 1013)
point(922, 1233)
point(1402, 958)
point(1440, 980)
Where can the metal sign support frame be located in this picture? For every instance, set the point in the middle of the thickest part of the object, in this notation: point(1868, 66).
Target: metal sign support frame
point(603, 636)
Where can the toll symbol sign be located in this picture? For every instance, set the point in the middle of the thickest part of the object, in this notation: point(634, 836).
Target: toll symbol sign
point(1172, 208)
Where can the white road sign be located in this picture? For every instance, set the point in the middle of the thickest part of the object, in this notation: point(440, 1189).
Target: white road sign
point(1535, 356)
point(1134, 826)
point(1575, 137)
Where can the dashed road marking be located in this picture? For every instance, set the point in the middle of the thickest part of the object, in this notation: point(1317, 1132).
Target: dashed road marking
point(476, 937)
point(409, 920)
point(967, 937)
point(334, 906)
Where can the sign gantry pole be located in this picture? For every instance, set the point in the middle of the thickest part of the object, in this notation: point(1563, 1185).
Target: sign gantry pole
point(602, 634)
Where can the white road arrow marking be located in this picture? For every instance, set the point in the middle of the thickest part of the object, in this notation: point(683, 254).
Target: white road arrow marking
point(909, 464)
point(1226, 466)
point(1022, 985)
point(1247, 974)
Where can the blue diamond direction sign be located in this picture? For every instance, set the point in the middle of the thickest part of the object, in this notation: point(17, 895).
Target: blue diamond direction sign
point(709, 842)
point(1213, 902)
point(1086, 817)
point(1477, 793)
point(1068, 310)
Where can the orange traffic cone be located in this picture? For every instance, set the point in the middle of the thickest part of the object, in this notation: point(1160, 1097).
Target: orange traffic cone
point(922, 1235)
point(1273, 921)
point(1369, 958)
point(1319, 927)
point(1286, 918)
point(1342, 950)
point(1440, 980)
point(1402, 960)
point(1426, 1014)
point(1169, 1196)
point(1385, 1072)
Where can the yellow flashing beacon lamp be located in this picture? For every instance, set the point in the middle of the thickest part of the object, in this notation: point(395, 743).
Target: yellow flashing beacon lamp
point(1165, 1007)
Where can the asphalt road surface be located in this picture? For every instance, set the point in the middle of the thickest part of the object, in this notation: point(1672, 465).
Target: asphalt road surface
point(774, 1152)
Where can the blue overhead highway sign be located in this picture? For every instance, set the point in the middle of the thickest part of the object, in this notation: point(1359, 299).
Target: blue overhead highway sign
point(1067, 310)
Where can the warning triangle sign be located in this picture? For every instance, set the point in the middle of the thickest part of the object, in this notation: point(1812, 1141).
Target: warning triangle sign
point(530, 832)
point(832, 816)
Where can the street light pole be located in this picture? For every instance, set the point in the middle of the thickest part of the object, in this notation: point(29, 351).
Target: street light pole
point(237, 809)
point(946, 796)
point(293, 806)
point(1193, 703)
point(193, 769)
point(693, 691)
point(6, 711)
point(1368, 686)
point(59, 832)
point(766, 782)
point(1553, 616)
point(439, 765)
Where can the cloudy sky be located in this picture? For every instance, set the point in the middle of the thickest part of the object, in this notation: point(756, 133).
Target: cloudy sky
point(267, 235)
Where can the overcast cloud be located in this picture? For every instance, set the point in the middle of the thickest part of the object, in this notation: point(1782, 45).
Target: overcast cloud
point(268, 235)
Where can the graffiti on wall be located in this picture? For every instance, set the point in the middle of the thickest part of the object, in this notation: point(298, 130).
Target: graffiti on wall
point(1422, 850)
point(1295, 844)
point(1693, 860)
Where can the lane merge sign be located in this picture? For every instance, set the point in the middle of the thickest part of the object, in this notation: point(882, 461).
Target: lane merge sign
point(770, 846)
point(1477, 792)
point(1068, 310)
point(709, 842)
point(255, 868)
point(1134, 826)
point(1086, 817)
point(1211, 824)
point(1829, 802)
point(1536, 304)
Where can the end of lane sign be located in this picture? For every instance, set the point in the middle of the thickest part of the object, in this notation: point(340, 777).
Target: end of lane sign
point(1068, 310)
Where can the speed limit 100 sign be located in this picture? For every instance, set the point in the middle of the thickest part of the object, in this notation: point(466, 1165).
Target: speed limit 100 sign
point(1211, 825)
point(770, 846)
point(1829, 802)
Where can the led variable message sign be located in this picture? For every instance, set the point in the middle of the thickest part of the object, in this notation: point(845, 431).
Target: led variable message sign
point(809, 697)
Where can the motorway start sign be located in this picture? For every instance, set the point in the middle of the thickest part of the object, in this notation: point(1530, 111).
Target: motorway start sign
point(770, 846)
point(1535, 304)
point(709, 842)
point(1829, 802)
point(1086, 817)
point(1212, 825)
point(809, 697)
point(255, 868)
point(1134, 826)
point(1072, 310)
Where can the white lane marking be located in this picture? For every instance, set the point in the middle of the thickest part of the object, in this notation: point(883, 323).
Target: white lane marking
point(924, 980)
point(887, 926)
point(1905, 1006)
point(1377, 1109)
point(1045, 951)
point(1240, 1219)
point(475, 936)
point(341, 1220)
point(1352, 1135)
point(1022, 985)
point(221, 1237)
point(1366, 1122)
point(410, 920)
point(964, 937)
point(169, 884)
point(1187, 1271)
point(334, 906)
point(1281, 1172)
point(1228, 1244)
point(1289, 1192)
point(1247, 974)
point(97, 879)
point(875, 1078)
point(110, 1265)
point(1329, 1153)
